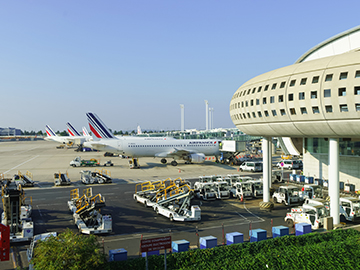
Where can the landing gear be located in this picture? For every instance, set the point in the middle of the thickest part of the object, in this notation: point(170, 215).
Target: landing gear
point(174, 163)
point(163, 161)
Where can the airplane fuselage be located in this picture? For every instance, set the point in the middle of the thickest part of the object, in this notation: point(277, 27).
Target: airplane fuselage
point(155, 147)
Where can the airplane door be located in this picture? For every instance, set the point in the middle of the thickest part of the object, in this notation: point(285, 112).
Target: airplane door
point(120, 146)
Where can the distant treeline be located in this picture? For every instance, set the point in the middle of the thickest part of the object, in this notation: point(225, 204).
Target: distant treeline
point(65, 133)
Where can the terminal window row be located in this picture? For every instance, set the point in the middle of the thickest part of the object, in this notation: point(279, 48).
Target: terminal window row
point(303, 81)
point(303, 110)
point(313, 95)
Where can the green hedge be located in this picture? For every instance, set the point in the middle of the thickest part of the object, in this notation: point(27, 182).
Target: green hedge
point(338, 249)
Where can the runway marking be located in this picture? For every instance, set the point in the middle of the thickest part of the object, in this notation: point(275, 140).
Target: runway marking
point(22, 163)
point(244, 207)
point(241, 215)
point(253, 213)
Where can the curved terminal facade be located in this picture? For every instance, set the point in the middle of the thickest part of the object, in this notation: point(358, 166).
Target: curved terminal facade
point(311, 102)
point(318, 98)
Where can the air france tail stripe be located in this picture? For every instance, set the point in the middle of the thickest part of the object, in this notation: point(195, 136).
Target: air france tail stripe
point(94, 131)
point(49, 130)
point(73, 131)
point(85, 132)
point(72, 134)
point(100, 127)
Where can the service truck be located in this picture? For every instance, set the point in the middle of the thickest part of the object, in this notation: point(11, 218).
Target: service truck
point(78, 162)
point(257, 188)
point(61, 179)
point(313, 214)
point(175, 205)
point(311, 191)
point(350, 208)
point(145, 192)
point(242, 190)
point(222, 190)
point(86, 212)
point(207, 192)
point(287, 195)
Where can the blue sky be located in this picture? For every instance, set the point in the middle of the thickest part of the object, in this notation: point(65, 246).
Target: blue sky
point(134, 62)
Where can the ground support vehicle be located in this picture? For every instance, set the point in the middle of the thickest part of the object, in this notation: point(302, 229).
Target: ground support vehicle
point(311, 191)
point(287, 195)
point(350, 208)
point(78, 162)
point(256, 188)
point(108, 163)
point(61, 179)
point(288, 164)
point(87, 178)
point(207, 192)
point(102, 176)
point(313, 214)
point(175, 205)
point(242, 190)
point(222, 190)
point(319, 201)
point(30, 250)
point(251, 166)
point(16, 213)
point(203, 180)
point(86, 212)
point(145, 192)
point(25, 180)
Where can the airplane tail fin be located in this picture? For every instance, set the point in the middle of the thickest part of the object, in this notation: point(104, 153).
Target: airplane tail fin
point(72, 131)
point(49, 131)
point(97, 127)
point(85, 132)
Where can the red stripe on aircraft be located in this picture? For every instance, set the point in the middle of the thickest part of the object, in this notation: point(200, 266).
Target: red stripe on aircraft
point(94, 131)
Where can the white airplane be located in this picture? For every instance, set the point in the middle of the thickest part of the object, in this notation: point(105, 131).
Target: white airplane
point(75, 137)
point(78, 138)
point(51, 136)
point(193, 151)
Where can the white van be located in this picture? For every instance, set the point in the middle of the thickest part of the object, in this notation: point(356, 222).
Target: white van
point(251, 166)
point(288, 164)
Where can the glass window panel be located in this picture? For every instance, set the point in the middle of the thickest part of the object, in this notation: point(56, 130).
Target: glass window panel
point(343, 76)
point(328, 78)
point(327, 92)
point(328, 109)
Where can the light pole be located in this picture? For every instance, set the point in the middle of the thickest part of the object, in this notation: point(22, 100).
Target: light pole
point(207, 114)
point(182, 117)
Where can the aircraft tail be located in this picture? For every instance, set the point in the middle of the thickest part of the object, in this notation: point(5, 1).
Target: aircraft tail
point(85, 132)
point(98, 128)
point(72, 131)
point(49, 131)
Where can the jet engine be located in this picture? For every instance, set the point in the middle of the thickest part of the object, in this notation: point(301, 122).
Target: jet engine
point(195, 158)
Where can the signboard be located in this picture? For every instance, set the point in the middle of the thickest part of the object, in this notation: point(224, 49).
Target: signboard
point(148, 245)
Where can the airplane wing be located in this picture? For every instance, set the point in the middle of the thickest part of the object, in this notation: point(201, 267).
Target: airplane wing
point(175, 153)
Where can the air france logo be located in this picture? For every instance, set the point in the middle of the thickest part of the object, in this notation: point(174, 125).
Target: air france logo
point(203, 142)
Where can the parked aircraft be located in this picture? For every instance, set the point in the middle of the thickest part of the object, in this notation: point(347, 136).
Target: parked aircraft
point(76, 135)
point(193, 151)
point(74, 138)
point(51, 136)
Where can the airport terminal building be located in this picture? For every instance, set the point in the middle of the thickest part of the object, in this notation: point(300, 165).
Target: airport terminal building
point(308, 104)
